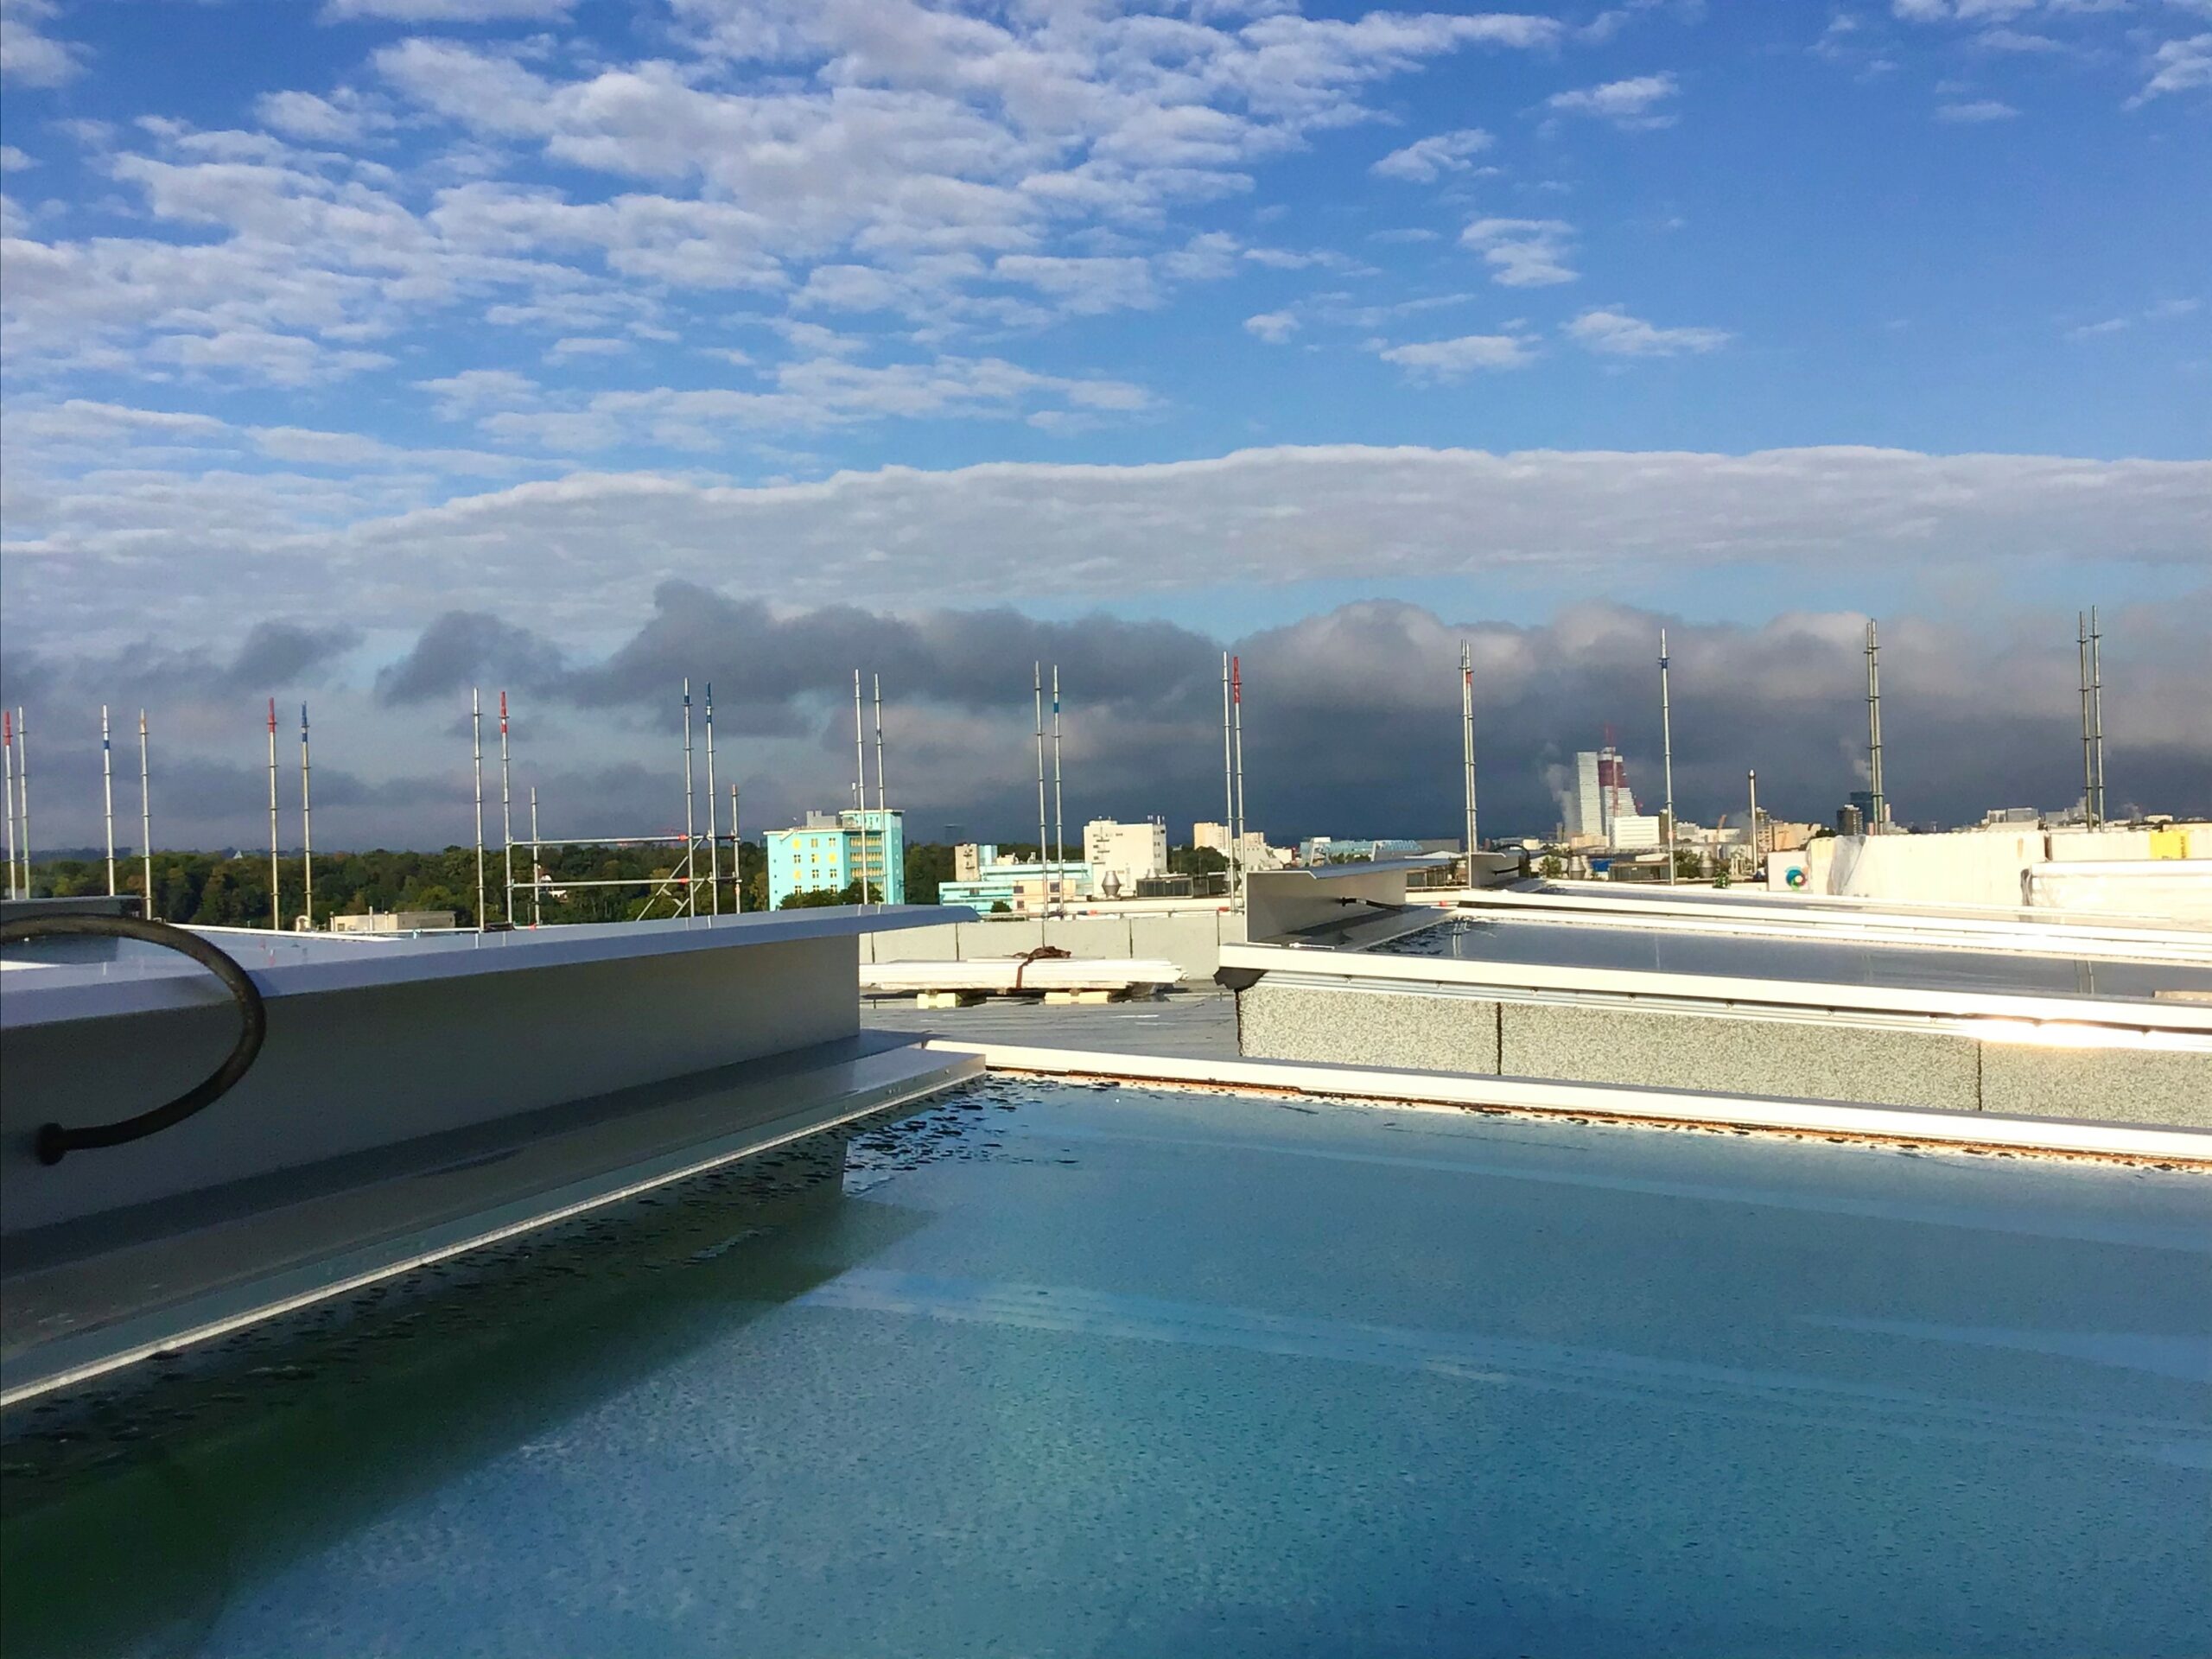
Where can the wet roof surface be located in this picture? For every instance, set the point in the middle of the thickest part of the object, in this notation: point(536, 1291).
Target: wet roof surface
point(1659, 949)
point(1100, 1371)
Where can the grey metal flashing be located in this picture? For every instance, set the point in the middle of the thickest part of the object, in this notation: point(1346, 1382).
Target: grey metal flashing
point(83, 1301)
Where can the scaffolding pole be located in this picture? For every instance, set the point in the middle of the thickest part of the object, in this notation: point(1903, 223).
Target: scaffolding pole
point(1059, 825)
point(2088, 759)
point(307, 826)
point(146, 820)
point(506, 816)
point(713, 846)
point(8, 746)
point(882, 804)
point(1467, 745)
point(859, 784)
point(1236, 715)
point(107, 796)
point(691, 833)
point(23, 790)
point(1228, 783)
point(275, 890)
point(1043, 875)
point(1667, 750)
point(1877, 801)
point(476, 724)
point(2097, 705)
point(536, 875)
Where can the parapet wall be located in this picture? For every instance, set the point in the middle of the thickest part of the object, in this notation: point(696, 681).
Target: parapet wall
point(1192, 939)
point(1946, 1068)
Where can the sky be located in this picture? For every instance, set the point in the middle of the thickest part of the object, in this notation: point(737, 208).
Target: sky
point(359, 353)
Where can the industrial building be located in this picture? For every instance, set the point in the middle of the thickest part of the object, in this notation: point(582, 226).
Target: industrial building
point(830, 851)
point(1602, 800)
point(1252, 852)
point(1120, 855)
point(1025, 887)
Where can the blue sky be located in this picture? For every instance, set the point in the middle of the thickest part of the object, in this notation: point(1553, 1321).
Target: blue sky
point(1222, 313)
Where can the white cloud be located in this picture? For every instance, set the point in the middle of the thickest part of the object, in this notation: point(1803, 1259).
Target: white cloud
point(344, 117)
point(1521, 252)
point(1425, 159)
point(1449, 360)
point(1273, 327)
point(1616, 333)
point(15, 161)
point(1082, 286)
point(28, 55)
point(565, 553)
point(2178, 66)
point(1630, 104)
point(447, 11)
point(1976, 111)
point(587, 346)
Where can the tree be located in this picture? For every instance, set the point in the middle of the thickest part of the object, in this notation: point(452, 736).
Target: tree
point(821, 897)
point(1195, 860)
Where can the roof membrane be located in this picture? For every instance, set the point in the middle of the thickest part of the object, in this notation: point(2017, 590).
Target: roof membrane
point(1064, 1369)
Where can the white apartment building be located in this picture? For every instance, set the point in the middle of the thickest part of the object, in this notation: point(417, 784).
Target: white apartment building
point(1124, 854)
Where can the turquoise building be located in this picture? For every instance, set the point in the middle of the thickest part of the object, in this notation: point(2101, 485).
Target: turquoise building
point(830, 851)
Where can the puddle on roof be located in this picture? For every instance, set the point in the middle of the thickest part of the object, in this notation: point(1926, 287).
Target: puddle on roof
point(1054, 1369)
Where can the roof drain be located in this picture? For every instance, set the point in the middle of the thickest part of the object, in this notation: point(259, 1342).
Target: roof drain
point(54, 1141)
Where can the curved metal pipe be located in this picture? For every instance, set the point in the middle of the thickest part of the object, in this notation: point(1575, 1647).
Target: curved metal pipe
point(54, 1141)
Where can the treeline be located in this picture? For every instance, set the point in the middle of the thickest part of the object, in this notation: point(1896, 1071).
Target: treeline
point(228, 889)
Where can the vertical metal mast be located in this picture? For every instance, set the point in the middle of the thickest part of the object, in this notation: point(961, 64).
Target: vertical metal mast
point(1879, 809)
point(882, 803)
point(736, 855)
point(276, 900)
point(714, 836)
point(860, 783)
point(1753, 777)
point(145, 820)
point(2088, 760)
point(23, 789)
point(307, 826)
point(8, 746)
point(1467, 745)
point(107, 795)
point(2097, 705)
point(1667, 750)
point(1237, 718)
point(506, 819)
point(690, 841)
point(1059, 825)
point(476, 724)
point(1228, 783)
point(536, 875)
point(107, 791)
point(1043, 875)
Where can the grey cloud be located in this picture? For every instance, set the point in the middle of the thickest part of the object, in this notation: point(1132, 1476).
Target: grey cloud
point(464, 648)
point(1351, 721)
point(275, 659)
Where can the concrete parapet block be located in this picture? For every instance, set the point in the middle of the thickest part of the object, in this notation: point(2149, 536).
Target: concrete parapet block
point(939, 944)
point(1190, 939)
point(1097, 938)
point(1740, 1054)
point(1428, 1031)
point(2116, 1085)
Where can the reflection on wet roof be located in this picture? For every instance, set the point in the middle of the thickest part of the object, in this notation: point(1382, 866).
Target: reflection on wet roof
point(1091, 1370)
point(1662, 951)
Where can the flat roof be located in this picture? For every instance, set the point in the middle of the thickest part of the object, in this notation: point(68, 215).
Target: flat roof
point(1657, 948)
point(1100, 1370)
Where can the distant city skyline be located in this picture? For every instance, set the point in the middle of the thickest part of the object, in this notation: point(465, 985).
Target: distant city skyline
point(364, 350)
